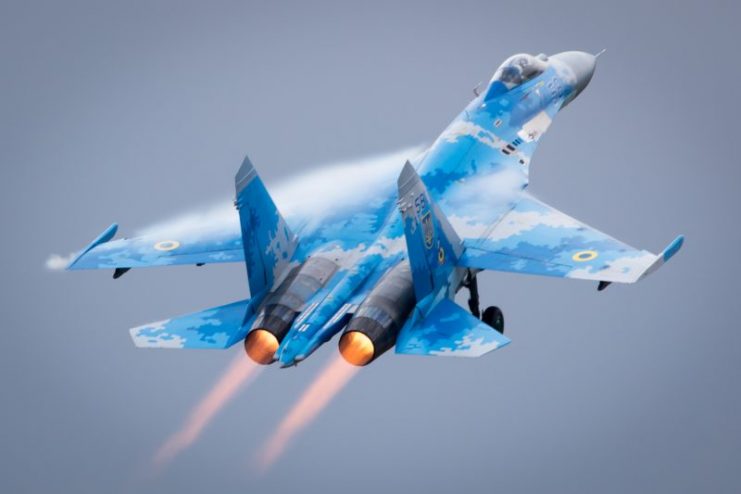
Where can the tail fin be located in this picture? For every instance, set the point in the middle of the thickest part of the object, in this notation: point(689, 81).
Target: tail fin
point(268, 242)
point(432, 244)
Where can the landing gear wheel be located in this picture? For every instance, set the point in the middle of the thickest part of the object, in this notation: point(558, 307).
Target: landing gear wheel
point(493, 317)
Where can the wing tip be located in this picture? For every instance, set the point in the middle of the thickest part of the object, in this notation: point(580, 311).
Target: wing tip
point(666, 254)
point(672, 248)
point(104, 237)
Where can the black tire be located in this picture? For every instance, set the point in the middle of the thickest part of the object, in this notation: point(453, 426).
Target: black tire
point(494, 317)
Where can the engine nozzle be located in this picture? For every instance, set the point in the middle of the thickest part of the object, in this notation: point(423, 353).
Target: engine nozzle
point(356, 348)
point(377, 321)
point(261, 346)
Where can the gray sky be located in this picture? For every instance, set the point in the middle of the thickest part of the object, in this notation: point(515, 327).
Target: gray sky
point(137, 111)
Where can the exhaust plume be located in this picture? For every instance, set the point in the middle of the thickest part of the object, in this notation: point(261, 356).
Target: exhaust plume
point(317, 396)
point(241, 372)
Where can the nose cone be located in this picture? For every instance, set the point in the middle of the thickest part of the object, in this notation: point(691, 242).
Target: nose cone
point(260, 346)
point(582, 65)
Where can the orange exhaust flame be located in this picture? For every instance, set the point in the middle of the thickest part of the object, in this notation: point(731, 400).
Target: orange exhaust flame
point(242, 371)
point(329, 382)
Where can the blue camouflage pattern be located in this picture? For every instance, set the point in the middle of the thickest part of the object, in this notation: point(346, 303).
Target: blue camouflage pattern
point(535, 238)
point(216, 328)
point(433, 247)
point(267, 240)
point(476, 214)
point(201, 246)
point(448, 330)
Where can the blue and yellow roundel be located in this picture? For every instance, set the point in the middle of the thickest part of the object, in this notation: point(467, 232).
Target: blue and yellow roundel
point(167, 245)
point(585, 255)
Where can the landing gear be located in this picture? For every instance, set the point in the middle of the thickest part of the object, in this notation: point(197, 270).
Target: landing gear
point(473, 291)
point(493, 317)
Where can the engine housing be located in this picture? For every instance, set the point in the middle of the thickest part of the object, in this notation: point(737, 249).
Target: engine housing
point(375, 325)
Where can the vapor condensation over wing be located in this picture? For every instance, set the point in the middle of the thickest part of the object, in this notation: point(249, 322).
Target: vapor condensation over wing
point(307, 196)
point(317, 396)
point(242, 371)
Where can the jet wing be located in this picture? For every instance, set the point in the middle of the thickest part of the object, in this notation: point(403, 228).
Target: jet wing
point(535, 238)
point(346, 205)
point(188, 247)
point(347, 227)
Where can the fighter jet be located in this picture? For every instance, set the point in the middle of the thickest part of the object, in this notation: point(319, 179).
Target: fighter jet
point(384, 272)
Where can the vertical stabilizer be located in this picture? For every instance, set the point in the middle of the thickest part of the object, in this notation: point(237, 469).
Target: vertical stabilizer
point(268, 242)
point(432, 244)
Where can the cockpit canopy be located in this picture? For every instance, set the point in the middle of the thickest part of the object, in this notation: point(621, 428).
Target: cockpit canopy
point(520, 68)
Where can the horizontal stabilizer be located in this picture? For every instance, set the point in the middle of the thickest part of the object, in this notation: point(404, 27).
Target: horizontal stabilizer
point(448, 330)
point(216, 328)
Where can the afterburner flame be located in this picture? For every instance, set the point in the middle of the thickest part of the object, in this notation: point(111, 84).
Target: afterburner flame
point(241, 372)
point(317, 396)
point(356, 348)
point(261, 346)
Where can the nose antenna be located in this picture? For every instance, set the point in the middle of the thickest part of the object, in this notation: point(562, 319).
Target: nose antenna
point(596, 55)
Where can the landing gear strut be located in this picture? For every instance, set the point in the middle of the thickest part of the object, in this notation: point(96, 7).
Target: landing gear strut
point(472, 284)
point(493, 315)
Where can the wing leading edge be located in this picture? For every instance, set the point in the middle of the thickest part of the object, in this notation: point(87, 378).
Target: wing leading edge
point(535, 238)
point(188, 247)
point(352, 214)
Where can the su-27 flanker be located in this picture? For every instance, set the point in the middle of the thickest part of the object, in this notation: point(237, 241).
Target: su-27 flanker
point(385, 272)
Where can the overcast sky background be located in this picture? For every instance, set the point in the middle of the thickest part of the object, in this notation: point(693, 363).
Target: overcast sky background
point(136, 112)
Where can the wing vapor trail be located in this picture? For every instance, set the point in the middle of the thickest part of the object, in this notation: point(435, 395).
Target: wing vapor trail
point(308, 195)
point(330, 381)
point(239, 374)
